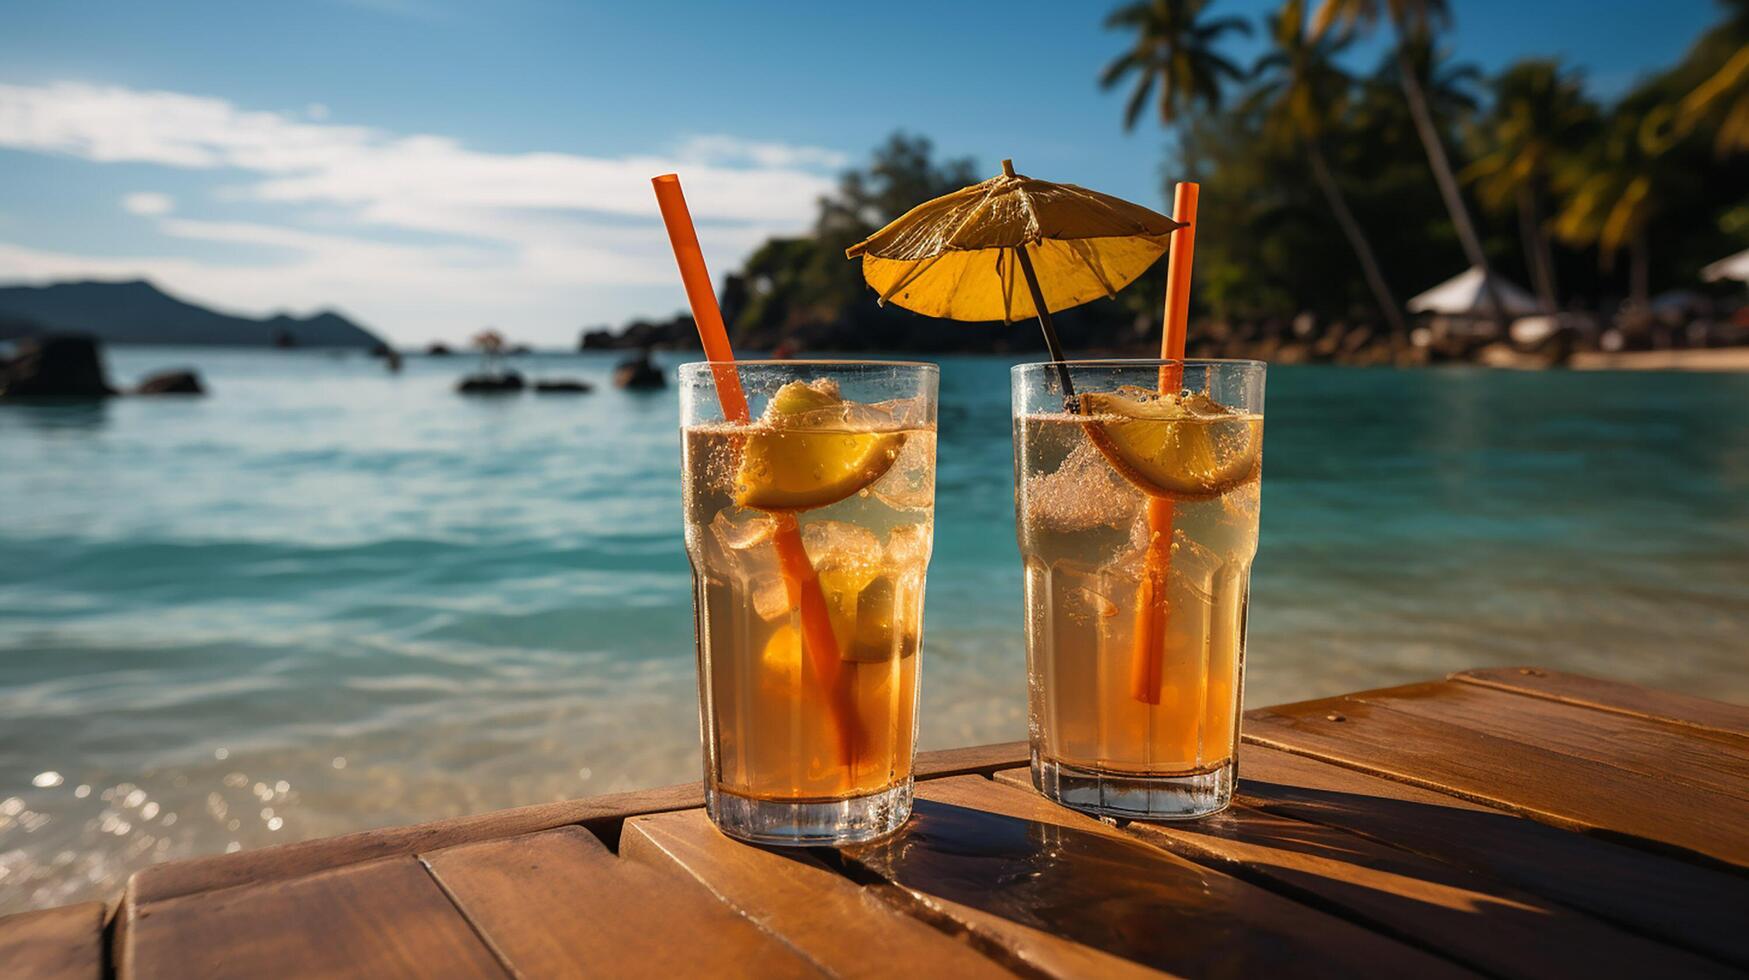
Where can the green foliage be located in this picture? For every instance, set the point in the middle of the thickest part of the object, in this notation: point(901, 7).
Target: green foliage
point(1267, 247)
point(1655, 167)
point(1539, 120)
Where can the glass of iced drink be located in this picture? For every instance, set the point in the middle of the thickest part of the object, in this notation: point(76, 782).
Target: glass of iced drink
point(1136, 501)
point(809, 525)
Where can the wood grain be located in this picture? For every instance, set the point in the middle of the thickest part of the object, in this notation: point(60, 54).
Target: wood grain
point(559, 903)
point(380, 919)
point(1468, 917)
point(844, 927)
point(292, 860)
point(54, 944)
point(1041, 880)
point(1563, 790)
point(599, 813)
point(983, 759)
point(1674, 901)
point(1606, 695)
point(1710, 760)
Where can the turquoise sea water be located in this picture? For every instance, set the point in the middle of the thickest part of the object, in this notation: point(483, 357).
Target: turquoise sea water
point(326, 598)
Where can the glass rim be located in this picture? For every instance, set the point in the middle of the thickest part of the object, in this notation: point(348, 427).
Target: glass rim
point(1134, 362)
point(842, 362)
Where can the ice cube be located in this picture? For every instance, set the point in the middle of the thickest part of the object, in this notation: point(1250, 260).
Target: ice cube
point(909, 484)
point(904, 413)
point(1193, 563)
point(770, 596)
point(740, 529)
point(837, 544)
point(1097, 602)
point(875, 417)
point(909, 544)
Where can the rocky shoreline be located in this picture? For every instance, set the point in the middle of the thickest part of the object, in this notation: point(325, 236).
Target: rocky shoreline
point(1300, 340)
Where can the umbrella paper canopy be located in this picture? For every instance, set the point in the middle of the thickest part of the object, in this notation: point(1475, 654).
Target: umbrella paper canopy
point(956, 256)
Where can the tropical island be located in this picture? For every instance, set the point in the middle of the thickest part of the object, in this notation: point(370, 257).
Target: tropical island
point(1380, 216)
point(137, 312)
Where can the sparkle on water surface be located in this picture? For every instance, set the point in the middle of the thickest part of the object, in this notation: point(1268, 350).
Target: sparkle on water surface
point(325, 599)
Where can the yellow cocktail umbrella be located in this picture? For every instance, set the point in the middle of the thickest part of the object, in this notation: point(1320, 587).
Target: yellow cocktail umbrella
point(1010, 248)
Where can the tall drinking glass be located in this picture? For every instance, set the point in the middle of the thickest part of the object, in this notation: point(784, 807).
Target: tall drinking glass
point(809, 526)
point(1136, 506)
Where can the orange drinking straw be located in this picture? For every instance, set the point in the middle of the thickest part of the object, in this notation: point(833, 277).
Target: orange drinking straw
point(799, 578)
point(1152, 611)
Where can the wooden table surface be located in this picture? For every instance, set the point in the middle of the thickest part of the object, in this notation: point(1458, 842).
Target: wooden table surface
point(1512, 822)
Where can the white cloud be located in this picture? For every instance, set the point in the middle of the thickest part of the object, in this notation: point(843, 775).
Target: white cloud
point(148, 203)
point(733, 150)
point(540, 226)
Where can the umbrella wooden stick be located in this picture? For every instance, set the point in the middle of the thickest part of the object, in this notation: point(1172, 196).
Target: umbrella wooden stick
point(1052, 344)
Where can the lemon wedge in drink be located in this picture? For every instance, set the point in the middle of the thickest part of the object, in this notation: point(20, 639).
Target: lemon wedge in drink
point(780, 663)
point(1188, 448)
point(806, 452)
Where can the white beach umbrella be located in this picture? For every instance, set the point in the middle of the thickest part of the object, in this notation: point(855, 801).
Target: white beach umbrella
point(1731, 267)
point(1463, 295)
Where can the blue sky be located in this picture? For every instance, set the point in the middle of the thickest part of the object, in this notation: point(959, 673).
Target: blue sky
point(430, 166)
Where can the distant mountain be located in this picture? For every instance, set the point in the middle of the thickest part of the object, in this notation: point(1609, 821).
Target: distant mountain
point(138, 312)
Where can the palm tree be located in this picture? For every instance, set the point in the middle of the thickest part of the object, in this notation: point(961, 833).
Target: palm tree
point(1414, 22)
point(1540, 114)
point(1722, 99)
point(1174, 52)
point(1300, 89)
point(1612, 195)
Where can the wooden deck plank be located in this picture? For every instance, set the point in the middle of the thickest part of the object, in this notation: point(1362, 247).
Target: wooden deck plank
point(265, 864)
point(1674, 901)
point(1008, 864)
point(1468, 917)
point(1607, 695)
point(984, 759)
point(559, 903)
point(843, 926)
point(1710, 760)
point(380, 919)
point(54, 944)
point(1566, 791)
point(599, 813)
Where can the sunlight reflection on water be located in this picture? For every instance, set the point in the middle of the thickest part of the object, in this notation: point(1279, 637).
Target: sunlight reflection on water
point(326, 599)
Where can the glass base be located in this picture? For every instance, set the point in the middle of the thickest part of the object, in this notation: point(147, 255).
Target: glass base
point(826, 823)
point(1132, 797)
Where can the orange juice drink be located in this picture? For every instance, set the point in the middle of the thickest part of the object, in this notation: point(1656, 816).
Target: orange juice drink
point(810, 732)
point(1126, 721)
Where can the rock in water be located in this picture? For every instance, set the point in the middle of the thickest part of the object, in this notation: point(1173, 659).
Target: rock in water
point(639, 373)
point(563, 386)
point(171, 383)
point(490, 384)
point(55, 366)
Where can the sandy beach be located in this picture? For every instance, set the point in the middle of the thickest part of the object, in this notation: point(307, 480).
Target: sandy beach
point(1702, 359)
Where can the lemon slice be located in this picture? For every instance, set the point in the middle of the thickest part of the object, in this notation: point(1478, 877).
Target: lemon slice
point(805, 455)
point(1167, 449)
point(780, 663)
